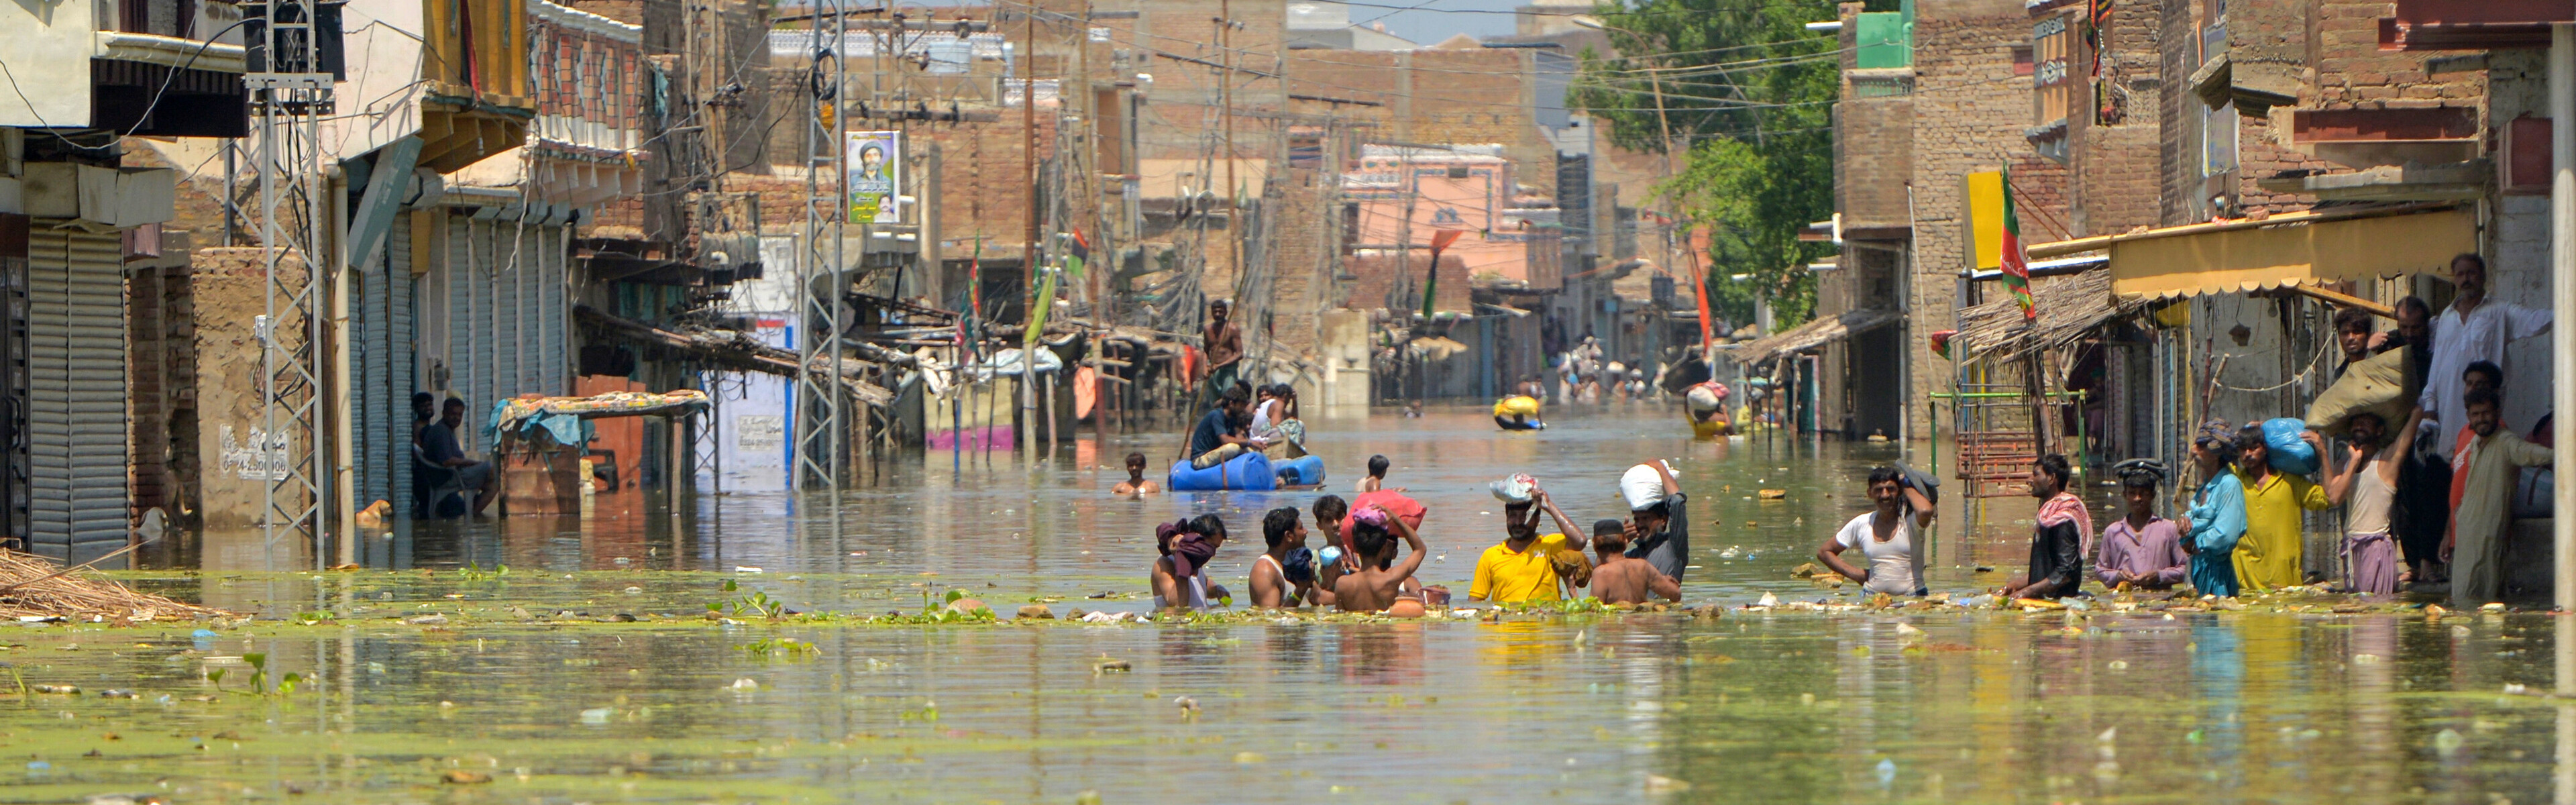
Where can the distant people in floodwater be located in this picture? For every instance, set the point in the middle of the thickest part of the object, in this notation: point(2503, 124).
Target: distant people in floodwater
point(1136, 483)
point(1518, 412)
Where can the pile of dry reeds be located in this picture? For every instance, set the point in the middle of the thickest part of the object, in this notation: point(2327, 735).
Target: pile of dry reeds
point(32, 585)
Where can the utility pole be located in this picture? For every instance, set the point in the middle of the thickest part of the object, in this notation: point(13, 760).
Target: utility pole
point(1233, 194)
point(289, 94)
point(820, 433)
point(1029, 246)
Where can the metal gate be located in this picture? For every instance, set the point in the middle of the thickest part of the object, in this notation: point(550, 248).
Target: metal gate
point(76, 441)
point(384, 357)
point(503, 319)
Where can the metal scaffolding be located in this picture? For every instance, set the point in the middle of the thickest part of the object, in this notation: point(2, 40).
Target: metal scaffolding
point(821, 437)
point(289, 94)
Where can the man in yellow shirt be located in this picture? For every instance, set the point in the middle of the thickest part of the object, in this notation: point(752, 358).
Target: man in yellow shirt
point(1525, 566)
point(2269, 555)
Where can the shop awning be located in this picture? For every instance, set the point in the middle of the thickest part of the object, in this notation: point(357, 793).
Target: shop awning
point(2284, 250)
point(2070, 309)
point(1812, 334)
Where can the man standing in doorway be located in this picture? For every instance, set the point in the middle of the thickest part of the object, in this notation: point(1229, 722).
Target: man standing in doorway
point(2422, 512)
point(438, 444)
point(2473, 329)
point(2353, 333)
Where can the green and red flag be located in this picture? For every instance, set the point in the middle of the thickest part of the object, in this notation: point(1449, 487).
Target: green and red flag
point(2015, 263)
point(1431, 285)
point(1076, 253)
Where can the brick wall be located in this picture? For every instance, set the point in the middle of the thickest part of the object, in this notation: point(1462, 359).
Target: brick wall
point(1304, 264)
point(2177, 110)
point(1432, 96)
point(2115, 155)
point(1970, 111)
point(1376, 273)
point(1873, 159)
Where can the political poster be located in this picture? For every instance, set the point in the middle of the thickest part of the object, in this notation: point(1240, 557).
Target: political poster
point(876, 176)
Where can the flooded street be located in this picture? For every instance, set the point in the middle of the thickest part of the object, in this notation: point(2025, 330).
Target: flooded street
point(590, 671)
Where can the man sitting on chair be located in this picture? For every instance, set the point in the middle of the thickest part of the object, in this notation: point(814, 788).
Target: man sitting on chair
point(438, 444)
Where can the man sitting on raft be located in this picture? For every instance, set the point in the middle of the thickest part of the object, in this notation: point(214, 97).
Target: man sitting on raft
point(1219, 435)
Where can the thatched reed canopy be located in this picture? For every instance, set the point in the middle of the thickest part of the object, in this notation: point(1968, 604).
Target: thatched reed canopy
point(1812, 334)
point(2069, 308)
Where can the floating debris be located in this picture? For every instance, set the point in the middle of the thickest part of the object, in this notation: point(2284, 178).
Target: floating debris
point(33, 589)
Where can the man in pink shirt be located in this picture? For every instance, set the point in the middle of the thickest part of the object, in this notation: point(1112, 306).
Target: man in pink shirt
point(2142, 551)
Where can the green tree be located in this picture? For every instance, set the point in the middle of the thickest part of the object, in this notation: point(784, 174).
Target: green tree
point(1748, 92)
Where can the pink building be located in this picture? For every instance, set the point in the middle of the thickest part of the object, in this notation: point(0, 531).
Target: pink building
point(1405, 195)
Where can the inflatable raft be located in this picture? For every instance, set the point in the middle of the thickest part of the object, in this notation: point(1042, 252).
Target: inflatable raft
point(1306, 471)
point(1247, 472)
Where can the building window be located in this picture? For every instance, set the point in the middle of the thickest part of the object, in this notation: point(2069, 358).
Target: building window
point(2021, 60)
point(2052, 70)
point(2218, 140)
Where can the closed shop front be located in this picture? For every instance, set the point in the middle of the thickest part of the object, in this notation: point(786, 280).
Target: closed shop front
point(493, 313)
point(75, 439)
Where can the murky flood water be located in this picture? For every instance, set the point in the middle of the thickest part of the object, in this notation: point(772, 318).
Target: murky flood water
point(439, 684)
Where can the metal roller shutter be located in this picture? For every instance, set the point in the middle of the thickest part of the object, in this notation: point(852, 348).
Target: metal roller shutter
point(382, 352)
point(510, 295)
point(548, 316)
point(402, 358)
point(367, 404)
point(77, 451)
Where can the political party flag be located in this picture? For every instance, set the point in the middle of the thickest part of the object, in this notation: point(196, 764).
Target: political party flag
point(2016, 263)
point(1078, 253)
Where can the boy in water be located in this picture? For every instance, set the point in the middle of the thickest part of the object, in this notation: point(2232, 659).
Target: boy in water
point(1179, 577)
point(1376, 478)
point(1271, 586)
point(1380, 579)
point(1329, 511)
point(1621, 580)
point(1136, 483)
